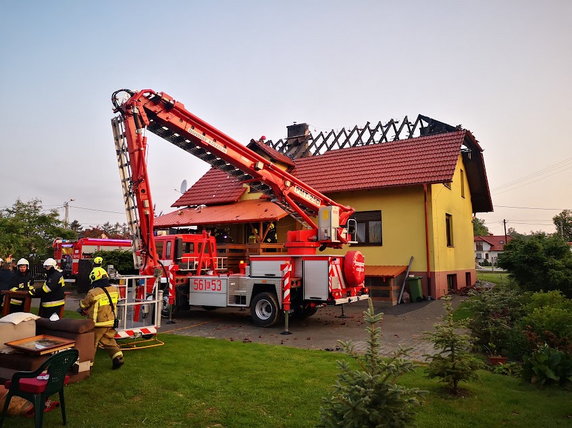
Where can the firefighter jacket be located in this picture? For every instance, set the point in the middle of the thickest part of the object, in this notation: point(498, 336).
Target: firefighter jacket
point(21, 282)
point(96, 305)
point(52, 292)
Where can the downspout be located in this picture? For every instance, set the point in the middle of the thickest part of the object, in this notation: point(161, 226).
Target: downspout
point(427, 255)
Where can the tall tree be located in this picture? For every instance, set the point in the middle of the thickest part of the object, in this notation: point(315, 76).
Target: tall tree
point(479, 228)
point(563, 223)
point(539, 262)
point(29, 231)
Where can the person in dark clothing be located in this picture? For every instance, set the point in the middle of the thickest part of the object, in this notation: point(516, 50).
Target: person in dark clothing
point(6, 274)
point(22, 281)
point(51, 294)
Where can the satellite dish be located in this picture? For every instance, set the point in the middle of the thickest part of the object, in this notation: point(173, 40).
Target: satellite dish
point(183, 187)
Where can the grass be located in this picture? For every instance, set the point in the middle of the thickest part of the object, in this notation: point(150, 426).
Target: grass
point(500, 278)
point(198, 382)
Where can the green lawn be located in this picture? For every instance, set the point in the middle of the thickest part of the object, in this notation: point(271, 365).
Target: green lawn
point(198, 382)
point(495, 277)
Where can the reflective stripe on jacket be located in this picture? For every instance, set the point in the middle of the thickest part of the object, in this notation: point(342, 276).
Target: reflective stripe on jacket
point(21, 282)
point(96, 305)
point(52, 292)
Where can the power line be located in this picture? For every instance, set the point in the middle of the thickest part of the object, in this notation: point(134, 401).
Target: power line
point(532, 208)
point(545, 172)
point(95, 209)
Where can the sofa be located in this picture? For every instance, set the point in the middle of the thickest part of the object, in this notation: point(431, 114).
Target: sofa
point(78, 330)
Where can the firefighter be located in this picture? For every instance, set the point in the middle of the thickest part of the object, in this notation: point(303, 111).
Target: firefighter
point(51, 294)
point(22, 281)
point(97, 306)
point(6, 273)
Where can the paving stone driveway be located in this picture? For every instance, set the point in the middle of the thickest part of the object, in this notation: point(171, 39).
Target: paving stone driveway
point(402, 325)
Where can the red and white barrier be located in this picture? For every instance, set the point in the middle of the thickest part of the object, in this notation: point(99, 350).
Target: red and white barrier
point(286, 269)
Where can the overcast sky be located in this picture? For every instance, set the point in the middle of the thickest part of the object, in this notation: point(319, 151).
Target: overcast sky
point(500, 68)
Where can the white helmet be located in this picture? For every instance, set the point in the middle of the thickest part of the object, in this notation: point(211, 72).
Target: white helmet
point(23, 262)
point(50, 262)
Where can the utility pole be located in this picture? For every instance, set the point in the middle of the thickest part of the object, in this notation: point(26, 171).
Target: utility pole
point(505, 236)
point(67, 211)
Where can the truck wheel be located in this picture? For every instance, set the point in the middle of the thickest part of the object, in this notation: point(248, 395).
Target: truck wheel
point(264, 309)
point(304, 312)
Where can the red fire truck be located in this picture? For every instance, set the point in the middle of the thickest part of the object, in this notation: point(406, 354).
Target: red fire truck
point(69, 253)
point(298, 282)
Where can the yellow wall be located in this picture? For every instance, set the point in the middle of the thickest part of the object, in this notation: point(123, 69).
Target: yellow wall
point(403, 229)
point(403, 224)
point(449, 201)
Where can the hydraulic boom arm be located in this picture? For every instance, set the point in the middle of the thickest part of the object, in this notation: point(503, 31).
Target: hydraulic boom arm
point(162, 115)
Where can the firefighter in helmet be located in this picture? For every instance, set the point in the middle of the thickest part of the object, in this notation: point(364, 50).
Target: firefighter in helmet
point(51, 293)
point(22, 281)
point(100, 304)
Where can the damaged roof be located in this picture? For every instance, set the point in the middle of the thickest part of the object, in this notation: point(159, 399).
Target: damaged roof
point(415, 161)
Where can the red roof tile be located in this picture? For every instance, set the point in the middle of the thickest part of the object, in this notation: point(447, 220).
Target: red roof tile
point(497, 242)
point(215, 187)
point(420, 160)
point(241, 212)
point(270, 152)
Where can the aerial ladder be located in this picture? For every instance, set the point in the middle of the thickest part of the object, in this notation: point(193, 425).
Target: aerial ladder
point(162, 115)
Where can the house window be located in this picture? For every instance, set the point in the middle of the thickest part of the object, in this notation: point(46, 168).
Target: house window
point(368, 227)
point(452, 282)
point(449, 227)
point(462, 184)
point(479, 246)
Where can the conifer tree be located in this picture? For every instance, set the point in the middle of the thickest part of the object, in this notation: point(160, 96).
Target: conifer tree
point(369, 396)
point(453, 363)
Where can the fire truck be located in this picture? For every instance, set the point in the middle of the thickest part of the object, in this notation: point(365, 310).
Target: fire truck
point(69, 254)
point(298, 282)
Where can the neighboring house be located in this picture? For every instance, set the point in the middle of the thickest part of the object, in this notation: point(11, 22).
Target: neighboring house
point(488, 248)
point(414, 200)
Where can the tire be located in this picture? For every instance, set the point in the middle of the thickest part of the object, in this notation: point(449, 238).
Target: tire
point(264, 309)
point(304, 312)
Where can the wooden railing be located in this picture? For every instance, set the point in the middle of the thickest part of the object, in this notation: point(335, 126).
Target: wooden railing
point(234, 253)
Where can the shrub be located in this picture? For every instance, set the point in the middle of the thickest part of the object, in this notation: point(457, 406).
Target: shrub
point(122, 261)
point(494, 313)
point(453, 363)
point(547, 366)
point(548, 320)
point(369, 396)
point(539, 262)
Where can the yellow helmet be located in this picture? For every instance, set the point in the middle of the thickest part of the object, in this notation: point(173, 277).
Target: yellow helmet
point(97, 273)
point(98, 260)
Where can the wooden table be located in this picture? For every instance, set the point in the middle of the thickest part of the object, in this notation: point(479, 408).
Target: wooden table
point(42, 344)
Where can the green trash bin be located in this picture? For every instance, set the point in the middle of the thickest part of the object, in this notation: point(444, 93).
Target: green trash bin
point(415, 289)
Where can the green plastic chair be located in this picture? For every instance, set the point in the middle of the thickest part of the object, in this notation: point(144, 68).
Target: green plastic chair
point(36, 386)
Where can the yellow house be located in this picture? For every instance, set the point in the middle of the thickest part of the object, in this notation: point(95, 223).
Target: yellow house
point(414, 201)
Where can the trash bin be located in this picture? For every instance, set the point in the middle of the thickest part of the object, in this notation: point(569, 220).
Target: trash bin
point(415, 289)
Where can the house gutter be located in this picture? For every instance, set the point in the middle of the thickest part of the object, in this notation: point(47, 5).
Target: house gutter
point(427, 255)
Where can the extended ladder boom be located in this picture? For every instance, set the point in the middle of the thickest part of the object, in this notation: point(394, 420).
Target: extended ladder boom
point(162, 115)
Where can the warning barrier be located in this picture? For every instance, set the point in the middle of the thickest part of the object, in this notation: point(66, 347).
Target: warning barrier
point(139, 314)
